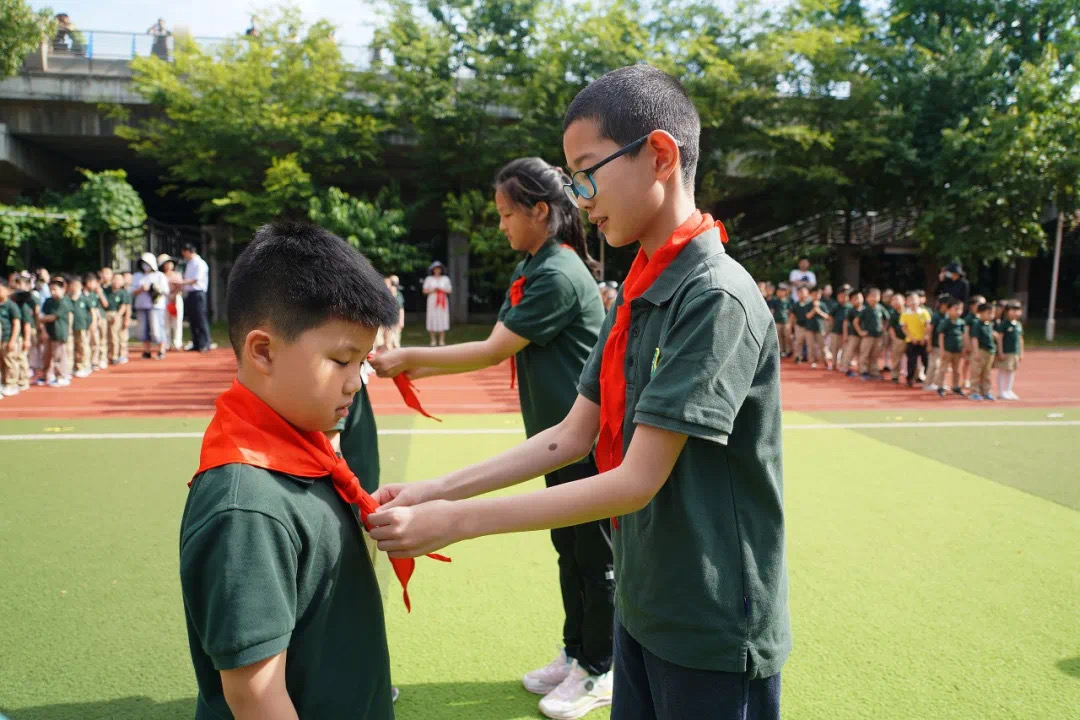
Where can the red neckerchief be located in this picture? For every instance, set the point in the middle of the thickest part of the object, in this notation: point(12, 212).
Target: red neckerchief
point(517, 293)
point(408, 392)
point(440, 299)
point(247, 431)
point(644, 271)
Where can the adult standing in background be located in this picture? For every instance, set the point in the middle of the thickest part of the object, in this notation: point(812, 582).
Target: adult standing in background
point(437, 288)
point(803, 275)
point(196, 282)
point(394, 337)
point(174, 309)
point(953, 281)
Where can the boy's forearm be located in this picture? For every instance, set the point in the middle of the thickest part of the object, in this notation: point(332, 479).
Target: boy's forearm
point(276, 708)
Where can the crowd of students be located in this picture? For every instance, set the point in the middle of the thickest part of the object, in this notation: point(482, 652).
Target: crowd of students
point(875, 333)
point(59, 328)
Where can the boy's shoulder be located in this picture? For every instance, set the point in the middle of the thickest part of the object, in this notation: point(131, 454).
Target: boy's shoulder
point(711, 277)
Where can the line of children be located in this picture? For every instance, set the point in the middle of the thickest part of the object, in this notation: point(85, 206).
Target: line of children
point(949, 347)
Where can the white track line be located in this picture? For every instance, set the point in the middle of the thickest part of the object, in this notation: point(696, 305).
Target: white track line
point(519, 431)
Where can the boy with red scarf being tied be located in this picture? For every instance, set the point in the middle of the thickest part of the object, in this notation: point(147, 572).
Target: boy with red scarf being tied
point(682, 398)
point(283, 610)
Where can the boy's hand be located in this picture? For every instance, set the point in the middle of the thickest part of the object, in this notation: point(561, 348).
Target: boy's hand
point(405, 495)
point(390, 363)
point(406, 532)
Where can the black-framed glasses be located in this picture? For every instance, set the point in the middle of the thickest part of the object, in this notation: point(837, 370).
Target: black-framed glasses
point(582, 184)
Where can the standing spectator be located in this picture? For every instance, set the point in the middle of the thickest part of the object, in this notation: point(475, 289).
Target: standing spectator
point(196, 282)
point(161, 39)
point(253, 31)
point(174, 308)
point(151, 291)
point(437, 288)
point(803, 275)
point(394, 336)
point(954, 283)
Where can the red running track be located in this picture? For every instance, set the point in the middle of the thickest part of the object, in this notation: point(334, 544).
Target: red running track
point(186, 384)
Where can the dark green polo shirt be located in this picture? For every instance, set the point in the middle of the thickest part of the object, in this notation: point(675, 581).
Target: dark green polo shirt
point(1011, 332)
point(117, 298)
point(270, 562)
point(28, 306)
point(9, 312)
point(780, 308)
point(360, 440)
point(799, 310)
point(894, 323)
point(983, 332)
point(830, 305)
point(873, 319)
point(80, 313)
point(852, 313)
point(702, 577)
point(839, 317)
point(57, 330)
point(953, 332)
point(560, 315)
point(400, 299)
point(816, 323)
point(935, 321)
point(93, 301)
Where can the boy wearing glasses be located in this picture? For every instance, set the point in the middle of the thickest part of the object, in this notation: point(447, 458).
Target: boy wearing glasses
point(684, 384)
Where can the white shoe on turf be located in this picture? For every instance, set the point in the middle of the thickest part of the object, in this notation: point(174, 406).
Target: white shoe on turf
point(577, 695)
point(549, 677)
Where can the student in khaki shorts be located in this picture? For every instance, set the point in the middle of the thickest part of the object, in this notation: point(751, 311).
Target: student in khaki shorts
point(25, 300)
point(81, 326)
point(870, 324)
point(817, 323)
point(99, 332)
point(1010, 350)
point(953, 341)
point(799, 311)
point(118, 315)
point(780, 305)
point(56, 317)
point(834, 342)
point(10, 341)
point(851, 336)
point(983, 352)
point(937, 316)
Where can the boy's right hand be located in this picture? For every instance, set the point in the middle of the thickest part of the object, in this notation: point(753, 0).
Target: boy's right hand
point(406, 494)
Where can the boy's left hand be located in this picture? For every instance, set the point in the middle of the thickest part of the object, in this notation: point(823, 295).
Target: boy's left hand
point(406, 532)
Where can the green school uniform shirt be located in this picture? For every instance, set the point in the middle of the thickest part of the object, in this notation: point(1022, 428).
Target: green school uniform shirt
point(780, 307)
point(400, 299)
point(799, 310)
point(983, 332)
point(28, 311)
point(850, 319)
point(873, 320)
point(815, 323)
point(9, 312)
point(894, 323)
point(935, 322)
point(93, 302)
point(560, 315)
point(270, 562)
point(58, 329)
point(953, 333)
point(830, 305)
point(80, 313)
point(702, 577)
point(1011, 332)
point(840, 317)
point(360, 440)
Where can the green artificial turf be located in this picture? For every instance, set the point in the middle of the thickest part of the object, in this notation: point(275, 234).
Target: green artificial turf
point(924, 583)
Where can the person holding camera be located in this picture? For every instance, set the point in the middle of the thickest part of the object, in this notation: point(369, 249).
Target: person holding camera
point(150, 290)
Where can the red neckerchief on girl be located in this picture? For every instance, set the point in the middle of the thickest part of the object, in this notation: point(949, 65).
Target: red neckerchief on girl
point(517, 293)
point(644, 271)
point(247, 431)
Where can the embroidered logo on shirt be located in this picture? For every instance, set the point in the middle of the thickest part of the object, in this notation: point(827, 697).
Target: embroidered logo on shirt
point(655, 362)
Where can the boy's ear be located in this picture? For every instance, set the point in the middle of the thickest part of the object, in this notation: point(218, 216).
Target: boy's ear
point(666, 157)
point(258, 351)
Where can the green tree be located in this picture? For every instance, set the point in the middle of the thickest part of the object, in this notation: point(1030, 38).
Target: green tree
point(473, 215)
point(257, 126)
point(112, 212)
point(21, 32)
point(374, 228)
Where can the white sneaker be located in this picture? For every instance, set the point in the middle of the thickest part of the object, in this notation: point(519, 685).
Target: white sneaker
point(931, 388)
point(63, 382)
point(1009, 395)
point(577, 695)
point(83, 374)
point(10, 392)
point(549, 677)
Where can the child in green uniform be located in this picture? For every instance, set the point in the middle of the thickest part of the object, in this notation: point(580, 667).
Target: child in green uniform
point(817, 322)
point(10, 341)
point(834, 343)
point(953, 341)
point(684, 383)
point(897, 343)
point(549, 323)
point(799, 311)
point(852, 338)
point(1010, 337)
point(56, 317)
point(82, 322)
point(283, 610)
point(870, 324)
point(937, 316)
point(99, 333)
point(780, 306)
point(25, 300)
point(983, 351)
point(971, 316)
point(118, 315)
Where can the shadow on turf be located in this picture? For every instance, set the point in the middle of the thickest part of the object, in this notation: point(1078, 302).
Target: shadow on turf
point(1070, 667)
point(464, 700)
point(129, 708)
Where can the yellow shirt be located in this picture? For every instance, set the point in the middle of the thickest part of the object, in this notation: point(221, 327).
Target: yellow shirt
point(915, 323)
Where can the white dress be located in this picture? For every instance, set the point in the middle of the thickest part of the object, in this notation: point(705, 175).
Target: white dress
point(438, 303)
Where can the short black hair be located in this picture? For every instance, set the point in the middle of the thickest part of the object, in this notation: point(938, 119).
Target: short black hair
point(90, 276)
point(58, 282)
point(954, 302)
point(845, 288)
point(944, 298)
point(984, 307)
point(633, 101)
point(872, 289)
point(295, 276)
point(189, 247)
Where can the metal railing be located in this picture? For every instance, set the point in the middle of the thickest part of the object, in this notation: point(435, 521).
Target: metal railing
point(110, 45)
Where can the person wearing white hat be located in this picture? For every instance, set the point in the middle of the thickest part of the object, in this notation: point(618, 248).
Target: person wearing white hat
point(174, 309)
point(150, 289)
point(437, 287)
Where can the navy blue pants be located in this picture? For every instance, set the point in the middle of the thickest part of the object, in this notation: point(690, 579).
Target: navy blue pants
point(648, 688)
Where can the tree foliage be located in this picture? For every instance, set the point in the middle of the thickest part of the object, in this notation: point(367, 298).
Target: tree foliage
point(21, 33)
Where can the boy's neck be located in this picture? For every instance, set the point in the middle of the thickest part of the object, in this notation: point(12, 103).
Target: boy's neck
point(666, 221)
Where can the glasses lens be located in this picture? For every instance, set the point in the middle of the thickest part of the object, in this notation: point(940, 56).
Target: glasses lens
point(583, 185)
point(569, 190)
